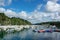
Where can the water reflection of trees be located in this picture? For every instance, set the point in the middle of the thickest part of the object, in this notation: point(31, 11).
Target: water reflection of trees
point(2, 33)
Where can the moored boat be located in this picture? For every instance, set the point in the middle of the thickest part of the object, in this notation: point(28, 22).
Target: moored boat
point(50, 30)
point(41, 31)
point(35, 30)
point(57, 30)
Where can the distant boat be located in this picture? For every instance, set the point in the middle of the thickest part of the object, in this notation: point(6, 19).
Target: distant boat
point(35, 30)
point(50, 30)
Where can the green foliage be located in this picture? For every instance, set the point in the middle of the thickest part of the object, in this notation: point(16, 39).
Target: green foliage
point(2, 33)
point(4, 20)
point(56, 23)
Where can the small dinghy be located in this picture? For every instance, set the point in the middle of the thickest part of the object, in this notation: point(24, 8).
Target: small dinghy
point(52, 30)
point(48, 31)
point(44, 31)
point(57, 30)
point(35, 30)
point(39, 31)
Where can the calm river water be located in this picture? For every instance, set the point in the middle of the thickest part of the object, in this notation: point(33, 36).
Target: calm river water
point(28, 34)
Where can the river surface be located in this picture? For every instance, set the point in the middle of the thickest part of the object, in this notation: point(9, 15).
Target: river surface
point(28, 34)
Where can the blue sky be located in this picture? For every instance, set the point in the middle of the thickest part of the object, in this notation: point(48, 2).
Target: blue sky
point(32, 10)
point(24, 5)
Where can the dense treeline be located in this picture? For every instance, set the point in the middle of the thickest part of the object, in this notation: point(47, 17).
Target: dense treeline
point(4, 20)
point(57, 23)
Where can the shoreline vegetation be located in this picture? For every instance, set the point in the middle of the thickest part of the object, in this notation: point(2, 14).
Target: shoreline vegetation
point(56, 23)
point(4, 30)
point(12, 25)
point(5, 20)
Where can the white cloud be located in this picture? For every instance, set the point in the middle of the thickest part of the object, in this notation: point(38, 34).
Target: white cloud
point(33, 17)
point(9, 2)
point(2, 10)
point(52, 6)
point(5, 2)
point(1, 2)
point(37, 17)
point(22, 14)
point(39, 7)
point(10, 13)
point(52, 0)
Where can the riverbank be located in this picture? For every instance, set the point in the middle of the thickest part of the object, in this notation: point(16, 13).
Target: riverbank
point(24, 31)
point(18, 28)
